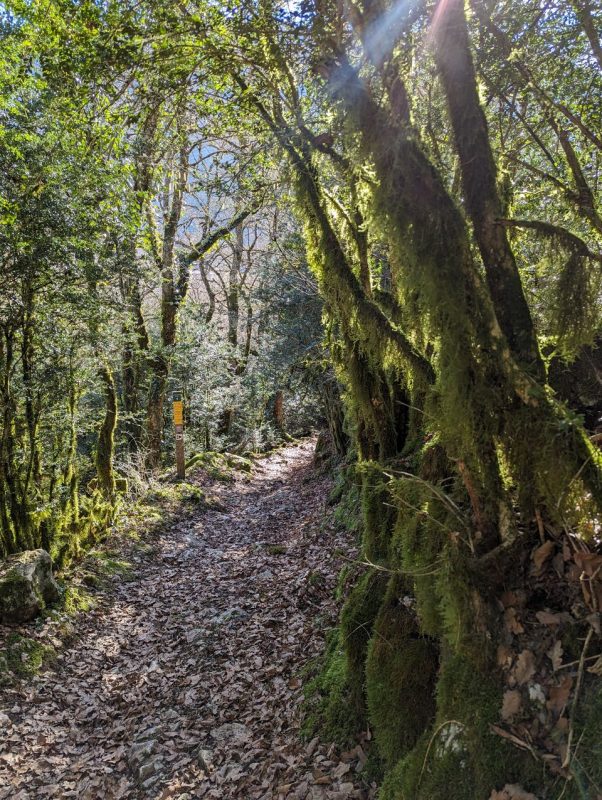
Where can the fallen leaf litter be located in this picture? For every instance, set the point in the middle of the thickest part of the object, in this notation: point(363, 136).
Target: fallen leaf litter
point(186, 682)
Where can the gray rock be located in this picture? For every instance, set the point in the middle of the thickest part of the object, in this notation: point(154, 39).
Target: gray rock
point(205, 759)
point(194, 635)
point(149, 769)
point(26, 586)
point(231, 730)
point(141, 752)
point(147, 736)
point(229, 614)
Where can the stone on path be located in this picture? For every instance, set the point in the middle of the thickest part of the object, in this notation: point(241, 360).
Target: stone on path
point(26, 586)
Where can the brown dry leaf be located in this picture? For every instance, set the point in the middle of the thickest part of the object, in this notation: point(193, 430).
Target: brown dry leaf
point(555, 655)
point(525, 667)
point(590, 563)
point(559, 695)
point(518, 793)
point(573, 573)
point(542, 553)
point(558, 564)
point(512, 792)
point(513, 625)
point(504, 655)
point(596, 668)
point(509, 599)
point(210, 634)
point(511, 704)
point(547, 618)
point(562, 725)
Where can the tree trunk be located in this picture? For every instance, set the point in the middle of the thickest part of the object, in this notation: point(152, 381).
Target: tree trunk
point(278, 412)
point(105, 446)
point(156, 399)
point(479, 176)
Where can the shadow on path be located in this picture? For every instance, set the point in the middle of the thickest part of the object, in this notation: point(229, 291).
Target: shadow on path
point(187, 684)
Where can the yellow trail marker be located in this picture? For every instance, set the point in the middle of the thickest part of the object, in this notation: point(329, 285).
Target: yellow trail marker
point(178, 412)
point(178, 420)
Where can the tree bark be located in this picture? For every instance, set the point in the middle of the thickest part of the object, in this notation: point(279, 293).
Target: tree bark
point(106, 446)
point(479, 178)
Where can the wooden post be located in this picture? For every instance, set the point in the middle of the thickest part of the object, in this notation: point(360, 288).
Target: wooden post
point(178, 421)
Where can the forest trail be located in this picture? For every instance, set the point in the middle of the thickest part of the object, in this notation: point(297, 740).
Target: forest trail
point(186, 684)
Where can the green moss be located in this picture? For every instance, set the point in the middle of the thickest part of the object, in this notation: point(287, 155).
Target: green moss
point(182, 493)
point(378, 511)
point(430, 546)
point(340, 486)
point(348, 510)
point(328, 707)
point(238, 462)
point(460, 752)
point(586, 765)
point(357, 622)
point(401, 670)
point(77, 600)
point(276, 549)
point(218, 466)
point(107, 562)
point(335, 702)
point(416, 547)
point(25, 657)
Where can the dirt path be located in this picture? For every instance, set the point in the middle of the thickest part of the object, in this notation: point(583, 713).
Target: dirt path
point(187, 684)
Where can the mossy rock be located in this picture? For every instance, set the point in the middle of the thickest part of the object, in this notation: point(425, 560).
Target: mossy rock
point(238, 462)
point(26, 586)
point(215, 465)
point(401, 675)
point(181, 493)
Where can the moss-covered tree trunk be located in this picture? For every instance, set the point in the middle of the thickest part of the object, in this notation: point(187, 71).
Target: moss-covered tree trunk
point(172, 294)
point(105, 446)
point(470, 528)
point(156, 399)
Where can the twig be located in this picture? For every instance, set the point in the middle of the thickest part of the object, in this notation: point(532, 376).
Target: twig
point(367, 563)
point(573, 663)
point(540, 527)
point(428, 749)
point(514, 739)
